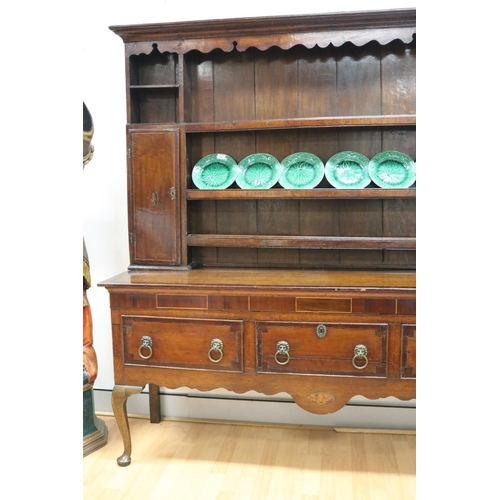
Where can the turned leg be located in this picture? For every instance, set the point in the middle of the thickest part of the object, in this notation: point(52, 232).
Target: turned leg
point(119, 403)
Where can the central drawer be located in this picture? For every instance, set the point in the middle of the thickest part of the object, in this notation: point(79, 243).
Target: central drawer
point(322, 348)
point(183, 343)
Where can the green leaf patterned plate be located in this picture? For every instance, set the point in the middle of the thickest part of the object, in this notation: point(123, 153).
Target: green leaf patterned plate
point(348, 170)
point(258, 171)
point(301, 171)
point(215, 171)
point(392, 170)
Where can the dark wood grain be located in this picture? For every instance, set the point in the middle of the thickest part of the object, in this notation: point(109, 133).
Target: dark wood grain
point(182, 342)
point(304, 123)
point(301, 194)
point(409, 352)
point(357, 27)
point(154, 214)
point(136, 282)
point(331, 354)
point(243, 240)
point(154, 404)
point(326, 270)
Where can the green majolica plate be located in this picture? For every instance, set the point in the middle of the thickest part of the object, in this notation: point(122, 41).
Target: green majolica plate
point(348, 170)
point(215, 171)
point(392, 169)
point(301, 171)
point(258, 171)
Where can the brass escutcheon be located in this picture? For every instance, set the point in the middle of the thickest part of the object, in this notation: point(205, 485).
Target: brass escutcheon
point(321, 331)
point(154, 198)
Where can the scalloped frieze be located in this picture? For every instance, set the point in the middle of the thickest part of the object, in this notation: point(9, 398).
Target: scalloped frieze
point(284, 41)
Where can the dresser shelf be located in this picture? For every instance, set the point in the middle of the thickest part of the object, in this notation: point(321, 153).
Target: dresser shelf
point(262, 241)
point(300, 194)
point(318, 122)
point(309, 291)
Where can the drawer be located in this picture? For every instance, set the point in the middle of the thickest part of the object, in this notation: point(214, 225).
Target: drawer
point(409, 351)
point(183, 343)
point(326, 349)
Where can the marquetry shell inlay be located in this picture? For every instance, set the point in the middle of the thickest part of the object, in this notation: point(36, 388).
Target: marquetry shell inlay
point(321, 397)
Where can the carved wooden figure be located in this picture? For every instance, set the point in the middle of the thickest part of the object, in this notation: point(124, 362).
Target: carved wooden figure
point(94, 429)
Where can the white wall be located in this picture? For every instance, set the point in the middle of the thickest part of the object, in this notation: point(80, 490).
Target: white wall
point(56, 53)
point(103, 90)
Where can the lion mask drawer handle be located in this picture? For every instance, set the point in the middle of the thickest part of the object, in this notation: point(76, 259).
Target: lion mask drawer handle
point(216, 346)
point(146, 343)
point(360, 351)
point(282, 349)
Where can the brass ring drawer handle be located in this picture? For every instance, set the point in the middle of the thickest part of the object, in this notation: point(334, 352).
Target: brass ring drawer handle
point(282, 349)
point(360, 351)
point(216, 346)
point(146, 343)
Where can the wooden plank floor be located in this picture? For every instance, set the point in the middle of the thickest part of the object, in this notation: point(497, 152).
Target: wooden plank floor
point(189, 460)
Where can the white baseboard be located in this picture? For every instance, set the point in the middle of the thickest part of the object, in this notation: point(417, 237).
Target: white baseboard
point(388, 413)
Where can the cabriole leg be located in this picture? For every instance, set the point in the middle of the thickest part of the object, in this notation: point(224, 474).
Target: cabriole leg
point(119, 398)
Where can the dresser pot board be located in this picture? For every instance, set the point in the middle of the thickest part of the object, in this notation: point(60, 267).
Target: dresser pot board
point(271, 210)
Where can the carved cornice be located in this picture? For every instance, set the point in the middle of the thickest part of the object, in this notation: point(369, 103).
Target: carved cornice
point(358, 28)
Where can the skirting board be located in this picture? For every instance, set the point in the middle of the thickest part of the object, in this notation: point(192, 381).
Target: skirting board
point(382, 414)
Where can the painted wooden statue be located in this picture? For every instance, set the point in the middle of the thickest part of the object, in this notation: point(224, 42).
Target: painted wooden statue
point(89, 354)
point(94, 429)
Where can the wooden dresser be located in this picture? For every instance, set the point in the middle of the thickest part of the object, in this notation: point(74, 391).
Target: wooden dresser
point(306, 291)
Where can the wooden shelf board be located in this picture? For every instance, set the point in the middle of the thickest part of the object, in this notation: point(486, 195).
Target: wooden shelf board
point(317, 193)
point(148, 87)
point(313, 122)
point(311, 242)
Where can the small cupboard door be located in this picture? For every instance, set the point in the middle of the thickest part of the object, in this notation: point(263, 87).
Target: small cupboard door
point(154, 221)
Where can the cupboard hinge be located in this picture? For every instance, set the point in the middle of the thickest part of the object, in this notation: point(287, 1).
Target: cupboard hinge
point(131, 237)
point(129, 153)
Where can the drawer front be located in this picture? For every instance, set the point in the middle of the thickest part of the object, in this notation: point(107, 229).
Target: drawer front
point(326, 349)
point(409, 351)
point(183, 343)
point(300, 304)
